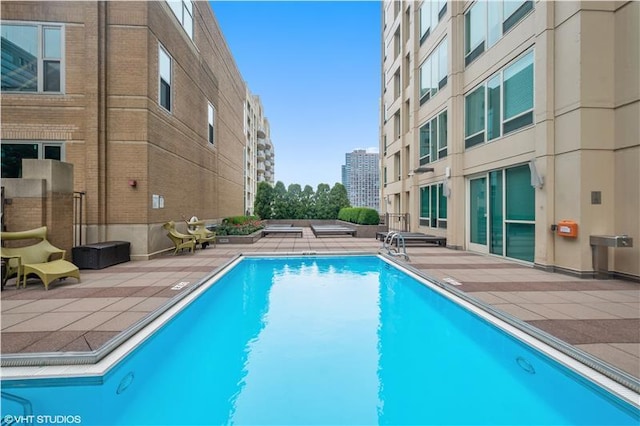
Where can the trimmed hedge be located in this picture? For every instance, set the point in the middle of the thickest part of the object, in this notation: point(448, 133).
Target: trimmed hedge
point(359, 215)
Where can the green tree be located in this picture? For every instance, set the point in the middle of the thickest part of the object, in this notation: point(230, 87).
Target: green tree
point(338, 199)
point(308, 202)
point(280, 204)
point(322, 207)
point(294, 200)
point(263, 204)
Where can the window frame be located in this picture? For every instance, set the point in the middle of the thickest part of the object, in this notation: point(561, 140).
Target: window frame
point(506, 23)
point(161, 49)
point(184, 10)
point(436, 150)
point(42, 144)
point(211, 120)
point(435, 82)
point(472, 140)
point(41, 60)
point(428, 220)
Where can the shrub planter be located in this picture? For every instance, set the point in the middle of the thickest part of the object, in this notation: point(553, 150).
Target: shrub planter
point(364, 231)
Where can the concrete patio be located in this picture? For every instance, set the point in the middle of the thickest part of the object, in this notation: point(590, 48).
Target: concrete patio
point(600, 317)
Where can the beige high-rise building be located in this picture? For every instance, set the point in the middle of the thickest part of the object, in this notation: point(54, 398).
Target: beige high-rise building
point(258, 151)
point(143, 98)
point(513, 128)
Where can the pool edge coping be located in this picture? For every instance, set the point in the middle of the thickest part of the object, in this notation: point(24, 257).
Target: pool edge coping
point(94, 366)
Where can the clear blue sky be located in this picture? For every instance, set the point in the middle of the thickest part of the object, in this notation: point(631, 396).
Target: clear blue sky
point(316, 68)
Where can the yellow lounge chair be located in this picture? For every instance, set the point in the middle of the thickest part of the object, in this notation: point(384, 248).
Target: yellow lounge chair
point(35, 259)
point(180, 240)
point(202, 234)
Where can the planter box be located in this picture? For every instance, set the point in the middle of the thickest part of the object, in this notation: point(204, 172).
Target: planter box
point(239, 239)
point(364, 231)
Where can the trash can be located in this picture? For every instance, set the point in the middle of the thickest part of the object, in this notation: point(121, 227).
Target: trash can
point(101, 255)
point(600, 251)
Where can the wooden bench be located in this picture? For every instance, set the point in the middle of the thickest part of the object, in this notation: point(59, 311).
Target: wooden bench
point(37, 259)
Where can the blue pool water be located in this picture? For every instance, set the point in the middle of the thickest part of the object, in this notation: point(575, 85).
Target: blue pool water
point(328, 340)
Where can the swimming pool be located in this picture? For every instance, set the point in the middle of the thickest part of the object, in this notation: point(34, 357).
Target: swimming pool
point(326, 340)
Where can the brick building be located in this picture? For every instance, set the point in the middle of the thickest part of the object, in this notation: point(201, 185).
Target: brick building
point(144, 99)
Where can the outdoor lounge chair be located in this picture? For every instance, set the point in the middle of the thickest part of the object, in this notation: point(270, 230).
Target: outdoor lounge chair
point(282, 229)
point(202, 234)
point(35, 259)
point(319, 230)
point(180, 241)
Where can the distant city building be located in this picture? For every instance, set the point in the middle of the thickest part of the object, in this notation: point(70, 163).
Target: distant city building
point(361, 178)
point(258, 151)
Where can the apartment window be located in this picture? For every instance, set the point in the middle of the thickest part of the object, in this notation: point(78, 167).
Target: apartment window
point(32, 58)
point(407, 70)
point(12, 153)
point(164, 71)
point(434, 72)
point(502, 104)
point(433, 206)
point(397, 125)
point(487, 21)
point(433, 139)
point(396, 43)
point(396, 85)
point(183, 10)
point(397, 166)
point(431, 12)
point(210, 118)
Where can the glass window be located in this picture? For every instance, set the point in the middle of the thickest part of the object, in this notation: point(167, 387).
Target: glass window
point(494, 20)
point(13, 153)
point(433, 72)
point(443, 63)
point(425, 20)
point(475, 26)
point(518, 87)
point(31, 58)
point(433, 154)
point(442, 135)
point(433, 206)
point(425, 78)
point(520, 195)
point(183, 10)
point(164, 69)
point(509, 103)
point(495, 211)
point(425, 197)
point(474, 116)
point(425, 134)
point(493, 108)
point(487, 21)
point(211, 117)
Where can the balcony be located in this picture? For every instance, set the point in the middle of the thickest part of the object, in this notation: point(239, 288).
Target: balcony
point(261, 143)
point(260, 156)
point(260, 133)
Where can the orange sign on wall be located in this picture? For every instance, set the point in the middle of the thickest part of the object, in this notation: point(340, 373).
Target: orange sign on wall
point(567, 228)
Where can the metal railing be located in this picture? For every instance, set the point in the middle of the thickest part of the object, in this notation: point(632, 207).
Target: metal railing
point(398, 222)
point(79, 219)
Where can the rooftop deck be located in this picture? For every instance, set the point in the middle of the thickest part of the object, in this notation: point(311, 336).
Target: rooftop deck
point(601, 317)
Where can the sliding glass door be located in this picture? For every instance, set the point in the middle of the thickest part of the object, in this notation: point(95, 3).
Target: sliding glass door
point(478, 214)
point(502, 213)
